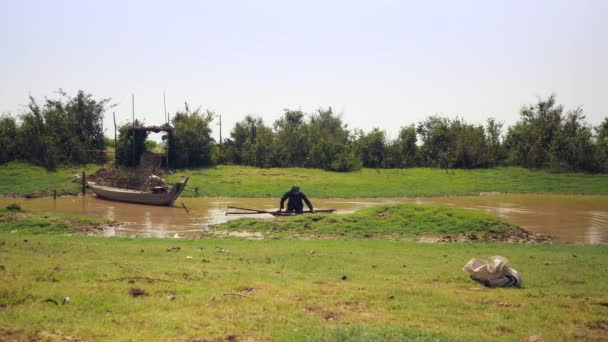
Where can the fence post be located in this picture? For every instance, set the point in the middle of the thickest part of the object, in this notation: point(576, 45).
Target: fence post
point(83, 183)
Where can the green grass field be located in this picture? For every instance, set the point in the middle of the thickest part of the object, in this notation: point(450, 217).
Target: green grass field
point(20, 179)
point(239, 181)
point(293, 290)
point(286, 289)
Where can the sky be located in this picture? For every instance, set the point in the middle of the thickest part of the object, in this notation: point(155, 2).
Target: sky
point(379, 63)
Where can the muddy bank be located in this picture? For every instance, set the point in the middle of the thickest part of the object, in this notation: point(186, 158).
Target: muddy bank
point(570, 218)
point(44, 193)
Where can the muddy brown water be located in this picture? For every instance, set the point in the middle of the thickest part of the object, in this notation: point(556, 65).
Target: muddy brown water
point(570, 218)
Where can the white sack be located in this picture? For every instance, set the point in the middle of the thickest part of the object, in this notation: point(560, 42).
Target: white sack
point(495, 273)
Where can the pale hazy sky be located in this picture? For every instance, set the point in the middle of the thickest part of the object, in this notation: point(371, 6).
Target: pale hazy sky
point(380, 63)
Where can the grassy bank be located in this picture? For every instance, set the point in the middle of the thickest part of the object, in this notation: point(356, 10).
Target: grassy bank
point(33, 223)
point(239, 181)
point(293, 289)
point(22, 179)
point(383, 221)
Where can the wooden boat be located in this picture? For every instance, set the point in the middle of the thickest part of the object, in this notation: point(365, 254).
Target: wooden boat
point(246, 211)
point(166, 198)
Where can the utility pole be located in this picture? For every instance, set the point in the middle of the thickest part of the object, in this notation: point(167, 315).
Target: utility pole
point(221, 138)
point(133, 129)
point(169, 134)
point(165, 104)
point(115, 143)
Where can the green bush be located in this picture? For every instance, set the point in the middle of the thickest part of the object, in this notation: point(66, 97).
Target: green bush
point(13, 206)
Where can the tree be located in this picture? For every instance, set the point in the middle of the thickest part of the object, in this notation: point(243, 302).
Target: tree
point(67, 130)
point(602, 145)
point(32, 136)
point(8, 138)
point(403, 151)
point(251, 142)
point(496, 153)
point(529, 140)
point(469, 144)
point(291, 143)
point(328, 141)
point(371, 148)
point(192, 141)
point(572, 148)
point(438, 148)
point(126, 153)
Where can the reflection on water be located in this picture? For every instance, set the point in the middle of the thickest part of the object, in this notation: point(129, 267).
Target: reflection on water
point(572, 218)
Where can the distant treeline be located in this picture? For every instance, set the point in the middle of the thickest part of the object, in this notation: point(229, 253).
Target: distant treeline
point(69, 131)
point(545, 137)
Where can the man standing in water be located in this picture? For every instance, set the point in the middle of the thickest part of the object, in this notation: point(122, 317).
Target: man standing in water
point(295, 200)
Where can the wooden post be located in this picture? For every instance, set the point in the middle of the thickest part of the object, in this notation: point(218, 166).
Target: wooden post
point(54, 194)
point(84, 182)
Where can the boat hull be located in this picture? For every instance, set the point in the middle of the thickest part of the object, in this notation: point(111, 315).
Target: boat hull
point(136, 196)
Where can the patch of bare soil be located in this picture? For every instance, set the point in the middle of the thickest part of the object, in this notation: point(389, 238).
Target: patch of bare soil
point(248, 235)
point(500, 304)
point(271, 174)
point(54, 336)
point(532, 338)
point(325, 314)
point(514, 236)
point(361, 308)
point(598, 325)
point(15, 217)
point(5, 335)
point(226, 338)
point(87, 227)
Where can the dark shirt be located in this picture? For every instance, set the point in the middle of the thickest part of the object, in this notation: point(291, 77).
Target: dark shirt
point(295, 201)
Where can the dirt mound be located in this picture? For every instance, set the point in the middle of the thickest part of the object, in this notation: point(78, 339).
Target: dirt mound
point(104, 176)
point(120, 179)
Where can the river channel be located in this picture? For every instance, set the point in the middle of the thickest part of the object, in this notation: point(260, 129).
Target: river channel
point(570, 218)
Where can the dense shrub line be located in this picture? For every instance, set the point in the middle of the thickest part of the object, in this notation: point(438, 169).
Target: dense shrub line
point(546, 136)
point(69, 130)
